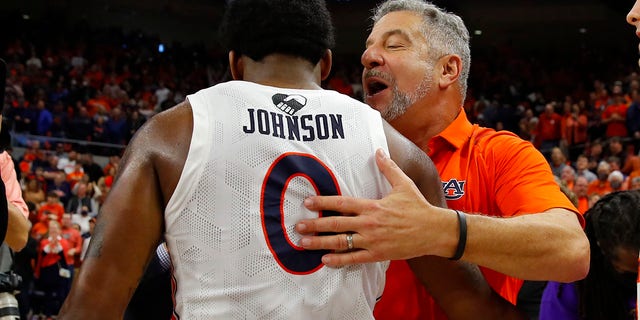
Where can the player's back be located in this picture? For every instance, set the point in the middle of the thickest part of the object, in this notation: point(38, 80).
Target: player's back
point(256, 152)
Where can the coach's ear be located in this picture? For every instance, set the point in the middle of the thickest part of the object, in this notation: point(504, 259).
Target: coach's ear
point(236, 65)
point(325, 64)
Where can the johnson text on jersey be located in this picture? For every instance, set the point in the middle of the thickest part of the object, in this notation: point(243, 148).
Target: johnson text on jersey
point(307, 127)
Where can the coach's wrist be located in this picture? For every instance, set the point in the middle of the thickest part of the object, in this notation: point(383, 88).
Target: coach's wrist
point(447, 233)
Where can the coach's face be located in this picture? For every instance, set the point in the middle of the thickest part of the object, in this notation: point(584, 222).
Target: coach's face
point(397, 72)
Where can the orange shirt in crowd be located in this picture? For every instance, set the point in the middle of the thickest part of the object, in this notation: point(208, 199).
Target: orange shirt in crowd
point(53, 208)
point(74, 177)
point(616, 128)
point(74, 238)
point(40, 230)
point(599, 187)
point(549, 127)
point(47, 259)
point(483, 171)
point(574, 129)
point(583, 204)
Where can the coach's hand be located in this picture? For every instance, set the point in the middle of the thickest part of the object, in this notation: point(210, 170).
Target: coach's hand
point(402, 225)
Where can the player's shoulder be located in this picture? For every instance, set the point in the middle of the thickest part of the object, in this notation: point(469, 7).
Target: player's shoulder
point(166, 129)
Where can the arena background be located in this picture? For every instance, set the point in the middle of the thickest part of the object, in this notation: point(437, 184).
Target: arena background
point(578, 41)
point(536, 25)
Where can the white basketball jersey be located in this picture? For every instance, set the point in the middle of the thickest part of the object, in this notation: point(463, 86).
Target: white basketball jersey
point(256, 153)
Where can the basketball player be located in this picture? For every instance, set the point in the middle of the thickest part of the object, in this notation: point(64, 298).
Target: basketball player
point(223, 176)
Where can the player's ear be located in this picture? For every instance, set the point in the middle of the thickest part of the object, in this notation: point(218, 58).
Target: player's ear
point(236, 65)
point(325, 64)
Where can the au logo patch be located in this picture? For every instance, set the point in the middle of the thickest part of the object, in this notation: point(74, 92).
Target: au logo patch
point(453, 189)
point(289, 104)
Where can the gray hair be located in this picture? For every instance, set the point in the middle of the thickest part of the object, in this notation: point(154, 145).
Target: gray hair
point(445, 31)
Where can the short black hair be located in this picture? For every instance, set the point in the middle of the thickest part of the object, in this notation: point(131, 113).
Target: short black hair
point(257, 28)
point(612, 223)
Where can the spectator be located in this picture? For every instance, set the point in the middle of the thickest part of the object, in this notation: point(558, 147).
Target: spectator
point(45, 119)
point(51, 206)
point(614, 163)
point(61, 187)
point(616, 181)
point(162, 93)
point(549, 131)
point(558, 161)
point(614, 117)
point(74, 238)
point(117, 127)
point(632, 166)
point(76, 175)
point(617, 149)
point(574, 130)
point(568, 177)
point(596, 155)
point(50, 280)
point(580, 190)
point(82, 220)
point(33, 191)
point(67, 162)
point(87, 238)
point(99, 134)
point(81, 199)
point(40, 229)
point(601, 186)
point(582, 168)
point(114, 162)
point(134, 121)
point(90, 167)
point(60, 121)
point(81, 125)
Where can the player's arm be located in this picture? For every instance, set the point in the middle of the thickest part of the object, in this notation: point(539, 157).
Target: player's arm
point(458, 287)
point(130, 223)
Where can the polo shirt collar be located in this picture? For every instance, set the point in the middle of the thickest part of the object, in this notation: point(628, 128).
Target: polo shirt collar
point(458, 132)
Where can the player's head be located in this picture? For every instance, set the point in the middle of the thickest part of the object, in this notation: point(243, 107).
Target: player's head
point(257, 28)
point(614, 224)
point(613, 230)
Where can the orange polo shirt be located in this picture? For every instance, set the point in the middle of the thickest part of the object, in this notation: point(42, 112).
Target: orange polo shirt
point(482, 171)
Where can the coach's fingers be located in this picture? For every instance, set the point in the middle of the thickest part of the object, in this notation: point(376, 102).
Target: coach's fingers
point(338, 242)
point(335, 260)
point(390, 169)
point(333, 224)
point(342, 204)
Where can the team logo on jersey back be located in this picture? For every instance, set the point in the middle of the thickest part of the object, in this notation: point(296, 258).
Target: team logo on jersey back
point(453, 189)
point(289, 104)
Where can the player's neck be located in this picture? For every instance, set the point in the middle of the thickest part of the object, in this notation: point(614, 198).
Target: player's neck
point(283, 71)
